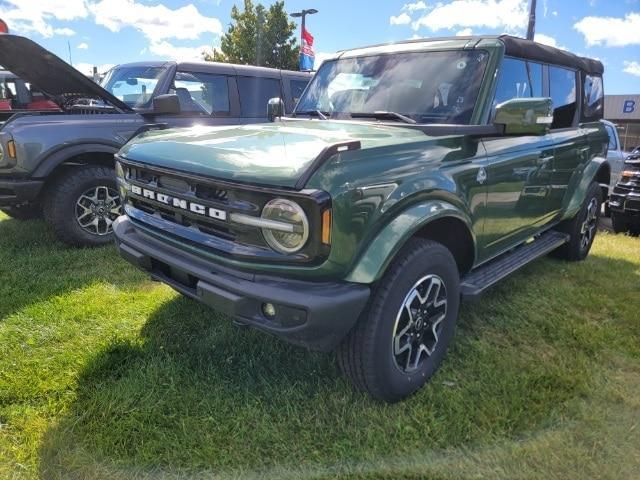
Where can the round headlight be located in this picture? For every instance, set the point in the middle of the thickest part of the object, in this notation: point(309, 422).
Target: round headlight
point(291, 231)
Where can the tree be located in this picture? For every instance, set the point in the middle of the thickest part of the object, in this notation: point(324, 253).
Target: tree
point(258, 36)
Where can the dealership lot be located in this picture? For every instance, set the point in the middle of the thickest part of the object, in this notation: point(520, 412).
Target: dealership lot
point(104, 373)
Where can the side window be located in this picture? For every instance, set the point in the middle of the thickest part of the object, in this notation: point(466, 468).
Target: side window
point(202, 92)
point(563, 93)
point(593, 105)
point(613, 145)
point(297, 87)
point(535, 75)
point(255, 94)
point(513, 81)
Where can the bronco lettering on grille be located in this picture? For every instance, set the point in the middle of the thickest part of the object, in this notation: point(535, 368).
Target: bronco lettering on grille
point(180, 203)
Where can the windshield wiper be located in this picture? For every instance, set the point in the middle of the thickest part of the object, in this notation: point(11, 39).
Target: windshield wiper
point(316, 113)
point(382, 114)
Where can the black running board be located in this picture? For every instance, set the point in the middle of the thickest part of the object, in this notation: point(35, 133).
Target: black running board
point(477, 281)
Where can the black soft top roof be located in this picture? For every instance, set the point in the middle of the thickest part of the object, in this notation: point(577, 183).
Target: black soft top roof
point(519, 47)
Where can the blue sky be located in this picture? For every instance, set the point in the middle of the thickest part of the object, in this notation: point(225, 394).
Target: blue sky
point(106, 32)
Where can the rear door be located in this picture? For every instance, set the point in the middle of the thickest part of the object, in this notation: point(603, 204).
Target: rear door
point(571, 150)
point(255, 93)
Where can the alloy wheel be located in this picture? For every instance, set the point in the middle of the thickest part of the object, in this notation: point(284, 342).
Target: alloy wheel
point(97, 208)
point(419, 323)
point(588, 228)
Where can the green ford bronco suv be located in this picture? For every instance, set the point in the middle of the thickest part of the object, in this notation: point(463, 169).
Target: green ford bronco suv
point(410, 175)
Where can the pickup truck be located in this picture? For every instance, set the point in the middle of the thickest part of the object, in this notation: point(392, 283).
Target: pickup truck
point(409, 176)
point(59, 164)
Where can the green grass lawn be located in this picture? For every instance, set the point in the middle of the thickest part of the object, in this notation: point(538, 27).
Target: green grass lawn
point(106, 375)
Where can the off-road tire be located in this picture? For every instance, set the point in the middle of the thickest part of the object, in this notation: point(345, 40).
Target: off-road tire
point(619, 223)
point(60, 203)
point(366, 356)
point(575, 249)
point(27, 211)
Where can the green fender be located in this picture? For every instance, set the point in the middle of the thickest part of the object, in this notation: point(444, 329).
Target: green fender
point(575, 201)
point(382, 249)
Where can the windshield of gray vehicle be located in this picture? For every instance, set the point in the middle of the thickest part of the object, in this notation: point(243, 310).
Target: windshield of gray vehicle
point(427, 87)
point(133, 85)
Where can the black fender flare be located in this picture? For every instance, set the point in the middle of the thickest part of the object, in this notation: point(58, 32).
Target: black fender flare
point(55, 159)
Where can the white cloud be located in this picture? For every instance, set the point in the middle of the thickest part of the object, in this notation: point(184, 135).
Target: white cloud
point(415, 6)
point(33, 16)
point(547, 40)
point(508, 14)
point(173, 52)
point(156, 22)
point(83, 46)
point(402, 19)
point(65, 32)
point(632, 68)
point(554, 13)
point(611, 31)
point(465, 32)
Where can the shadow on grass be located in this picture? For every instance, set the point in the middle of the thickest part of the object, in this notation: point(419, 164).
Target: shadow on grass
point(35, 266)
point(195, 394)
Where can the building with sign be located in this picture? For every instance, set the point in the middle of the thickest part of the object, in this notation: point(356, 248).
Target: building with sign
point(624, 111)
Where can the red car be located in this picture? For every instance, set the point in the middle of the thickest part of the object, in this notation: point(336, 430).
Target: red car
point(17, 95)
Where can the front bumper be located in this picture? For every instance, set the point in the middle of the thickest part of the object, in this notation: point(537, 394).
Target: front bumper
point(628, 203)
point(317, 315)
point(14, 191)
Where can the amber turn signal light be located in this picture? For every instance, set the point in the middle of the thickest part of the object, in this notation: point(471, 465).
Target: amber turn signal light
point(326, 227)
point(11, 149)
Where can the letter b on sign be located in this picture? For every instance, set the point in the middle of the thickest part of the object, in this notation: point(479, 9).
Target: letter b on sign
point(629, 106)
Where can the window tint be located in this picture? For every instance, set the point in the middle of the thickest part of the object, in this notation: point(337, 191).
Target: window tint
point(535, 75)
point(202, 92)
point(613, 145)
point(563, 93)
point(593, 97)
point(255, 94)
point(297, 87)
point(513, 81)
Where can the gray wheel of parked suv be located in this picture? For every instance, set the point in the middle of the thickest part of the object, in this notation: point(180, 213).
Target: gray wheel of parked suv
point(403, 334)
point(81, 205)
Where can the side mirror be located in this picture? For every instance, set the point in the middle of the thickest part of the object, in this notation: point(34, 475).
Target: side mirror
point(275, 108)
point(168, 104)
point(525, 116)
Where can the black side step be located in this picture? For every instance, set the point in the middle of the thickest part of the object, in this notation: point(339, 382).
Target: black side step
point(477, 281)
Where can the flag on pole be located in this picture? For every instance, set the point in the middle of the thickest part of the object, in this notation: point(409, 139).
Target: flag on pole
point(307, 56)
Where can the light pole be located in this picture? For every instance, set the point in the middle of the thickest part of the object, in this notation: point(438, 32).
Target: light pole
point(302, 15)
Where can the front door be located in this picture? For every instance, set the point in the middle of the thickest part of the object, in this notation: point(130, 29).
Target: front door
point(517, 178)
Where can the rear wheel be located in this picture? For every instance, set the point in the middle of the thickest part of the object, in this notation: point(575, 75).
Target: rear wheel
point(583, 227)
point(403, 334)
point(82, 206)
point(27, 211)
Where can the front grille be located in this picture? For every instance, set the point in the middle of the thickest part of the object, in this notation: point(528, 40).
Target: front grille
point(163, 199)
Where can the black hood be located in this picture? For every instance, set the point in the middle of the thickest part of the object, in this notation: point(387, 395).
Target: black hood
point(48, 73)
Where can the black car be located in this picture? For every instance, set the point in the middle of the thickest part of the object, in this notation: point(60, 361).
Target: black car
point(625, 198)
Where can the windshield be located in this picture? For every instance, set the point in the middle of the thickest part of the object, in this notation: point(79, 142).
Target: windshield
point(427, 87)
point(133, 85)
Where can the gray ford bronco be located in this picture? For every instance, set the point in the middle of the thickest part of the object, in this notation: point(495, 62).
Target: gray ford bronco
point(59, 163)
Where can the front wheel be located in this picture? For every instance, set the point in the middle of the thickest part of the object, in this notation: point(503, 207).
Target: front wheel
point(403, 334)
point(582, 228)
point(82, 205)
